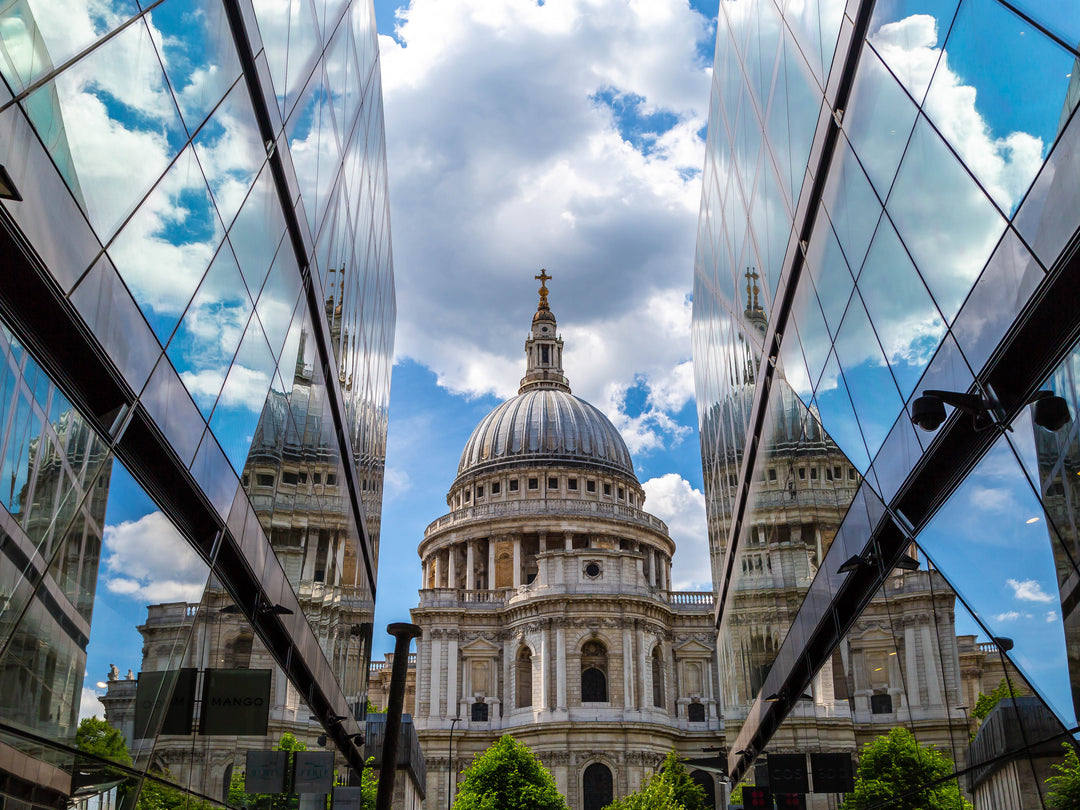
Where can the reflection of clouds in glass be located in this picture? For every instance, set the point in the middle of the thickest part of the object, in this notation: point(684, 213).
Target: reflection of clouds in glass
point(247, 388)
point(1005, 165)
point(1011, 616)
point(149, 560)
point(1028, 590)
point(999, 500)
point(89, 705)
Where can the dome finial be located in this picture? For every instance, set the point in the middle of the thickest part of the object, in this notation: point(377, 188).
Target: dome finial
point(543, 278)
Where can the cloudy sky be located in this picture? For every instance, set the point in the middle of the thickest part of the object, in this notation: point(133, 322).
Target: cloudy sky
point(565, 135)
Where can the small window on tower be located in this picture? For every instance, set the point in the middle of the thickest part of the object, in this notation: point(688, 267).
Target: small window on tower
point(534, 483)
point(544, 355)
point(571, 484)
point(772, 473)
point(468, 497)
point(607, 489)
point(553, 483)
point(622, 493)
point(513, 485)
point(496, 487)
point(802, 473)
point(479, 492)
point(813, 473)
point(590, 486)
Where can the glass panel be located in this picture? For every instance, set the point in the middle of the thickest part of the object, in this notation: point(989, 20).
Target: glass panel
point(995, 515)
point(198, 54)
point(852, 206)
point(830, 272)
point(257, 231)
point(905, 319)
point(243, 395)
point(866, 372)
point(878, 121)
point(906, 34)
point(999, 106)
point(945, 220)
point(119, 121)
point(203, 347)
point(838, 417)
point(166, 247)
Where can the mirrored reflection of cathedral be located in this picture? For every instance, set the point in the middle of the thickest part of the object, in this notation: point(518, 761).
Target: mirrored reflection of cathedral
point(546, 603)
point(901, 664)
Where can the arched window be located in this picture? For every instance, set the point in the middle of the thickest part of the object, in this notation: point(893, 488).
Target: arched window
point(524, 678)
point(695, 713)
point(657, 678)
point(596, 787)
point(705, 781)
point(594, 673)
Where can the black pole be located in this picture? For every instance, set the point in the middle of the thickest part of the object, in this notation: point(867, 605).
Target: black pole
point(404, 633)
point(450, 763)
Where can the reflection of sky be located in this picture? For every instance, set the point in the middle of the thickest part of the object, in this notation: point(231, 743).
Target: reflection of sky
point(1003, 567)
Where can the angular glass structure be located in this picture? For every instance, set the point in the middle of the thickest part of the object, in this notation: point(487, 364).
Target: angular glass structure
point(196, 333)
point(888, 208)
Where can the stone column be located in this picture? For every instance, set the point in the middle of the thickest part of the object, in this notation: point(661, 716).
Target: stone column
point(652, 567)
point(568, 541)
point(435, 669)
point(544, 668)
point(509, 693)
point(912, 681)
point(642, 664)
point(451, 678)
point(436, 566)
point(451, 566)
point(628, 670)
point(517, 560)
point(491, 564)
point(470, 566)
point(560, 668)
point(932, 668)
point(710, 691)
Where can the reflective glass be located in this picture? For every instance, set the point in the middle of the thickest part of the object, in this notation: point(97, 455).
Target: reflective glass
point(878, 121)
point(947, 223)
point(257, 231)
point(866, 372)
point(203, 347)
point(992, 516)
point(907, 323)
point(838, 416)
point(907, 34)
point(119, 122)
point(38, 35)
point(998, 106)
point(1004, 288)
point(1061, 20)
point(829, 270)
point(852, 206)
point(237, 411)
point(164, 249)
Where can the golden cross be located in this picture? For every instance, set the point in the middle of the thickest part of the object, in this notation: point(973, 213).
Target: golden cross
point(543, 278)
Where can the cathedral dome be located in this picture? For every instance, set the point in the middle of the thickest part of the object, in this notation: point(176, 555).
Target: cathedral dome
point(545, 424)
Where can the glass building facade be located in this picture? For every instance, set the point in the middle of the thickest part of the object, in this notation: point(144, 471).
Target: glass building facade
point(196, 334)
point(889, 207)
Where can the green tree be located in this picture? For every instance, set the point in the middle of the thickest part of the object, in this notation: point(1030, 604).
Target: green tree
point(670, 788)
point(266, 801)
point(895, 765)
point(508, 776)
point(369, 785)
point(1065, 783)
point(97, 737)
point(986, 703)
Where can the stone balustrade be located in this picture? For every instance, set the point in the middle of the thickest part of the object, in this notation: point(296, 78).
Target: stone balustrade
point(546, 506)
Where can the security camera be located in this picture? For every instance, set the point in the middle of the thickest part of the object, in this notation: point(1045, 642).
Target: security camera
point(928, 412)
point(1051, 412)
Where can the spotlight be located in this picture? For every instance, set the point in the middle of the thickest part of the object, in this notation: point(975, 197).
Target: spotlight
point(856, 563)
point(1004, 643)
point(906, 563)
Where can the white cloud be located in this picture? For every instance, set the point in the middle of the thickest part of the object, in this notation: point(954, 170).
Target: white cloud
point(396, 482)
point(1011, 616)
point(149, 560)
point(513, 162)
point(1029, 590)
point(998, 500)
point(89, 705)
point(672, 499)
point(1051, 616)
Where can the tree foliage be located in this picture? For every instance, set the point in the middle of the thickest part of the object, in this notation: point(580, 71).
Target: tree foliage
point(97, 737)
point(670, 788)
point(508, 776)
point(986, 703)
point(1064, 793)
point(894, 771)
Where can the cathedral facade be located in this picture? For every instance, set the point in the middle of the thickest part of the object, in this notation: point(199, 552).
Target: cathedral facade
point(547, 608)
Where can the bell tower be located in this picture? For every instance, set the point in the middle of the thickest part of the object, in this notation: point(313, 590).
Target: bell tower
point(543, 349)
